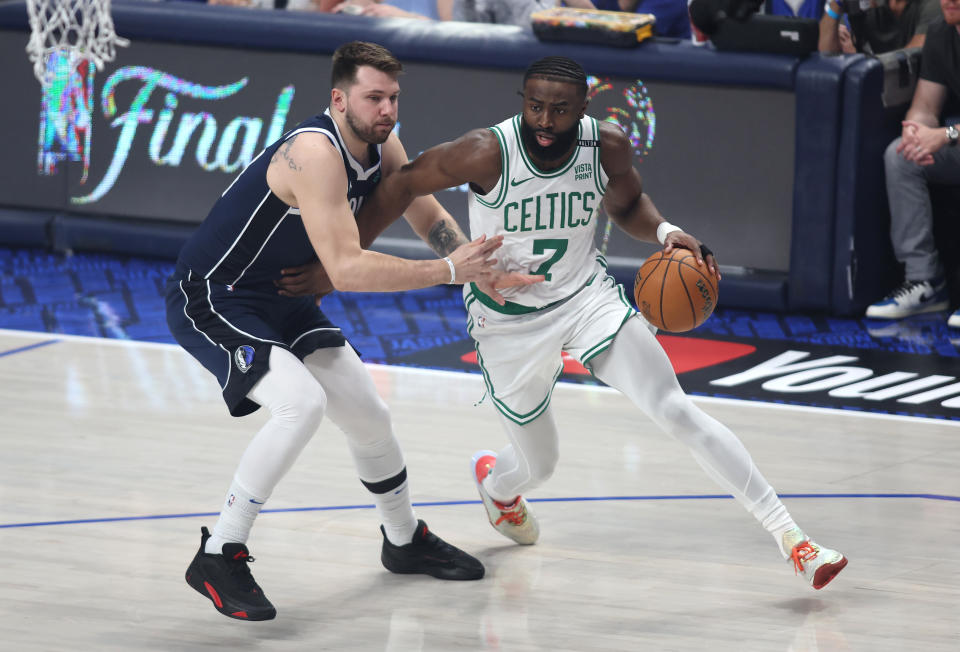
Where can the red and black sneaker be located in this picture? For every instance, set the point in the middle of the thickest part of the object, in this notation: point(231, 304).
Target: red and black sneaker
point(430, 555)
point(227, 581)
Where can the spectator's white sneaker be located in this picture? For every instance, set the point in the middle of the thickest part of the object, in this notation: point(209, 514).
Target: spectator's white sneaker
point(514, 521)
point(911, 298)
point(817, 565)
point(954, 320)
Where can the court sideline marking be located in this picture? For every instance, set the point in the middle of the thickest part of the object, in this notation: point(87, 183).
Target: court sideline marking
point(448, 503)
point(736, 402)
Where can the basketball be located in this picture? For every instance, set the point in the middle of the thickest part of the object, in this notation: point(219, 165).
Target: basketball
point(674, 293)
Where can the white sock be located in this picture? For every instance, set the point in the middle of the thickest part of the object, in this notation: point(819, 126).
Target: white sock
point(488, 487)
point(239, 511)
point(399, 520)
point(774, 517)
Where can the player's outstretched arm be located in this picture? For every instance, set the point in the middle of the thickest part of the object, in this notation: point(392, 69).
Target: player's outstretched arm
point(429, 220)
point(408, 186)
point(472, 158)
point(307, 173)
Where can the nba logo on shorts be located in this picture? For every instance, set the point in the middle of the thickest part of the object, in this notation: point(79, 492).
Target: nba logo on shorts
point(481, 321)
point(244, 358)
point(230, 500)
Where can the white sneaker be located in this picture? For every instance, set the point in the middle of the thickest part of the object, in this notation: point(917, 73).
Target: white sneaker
point(514, 521)
point(911, 298)
point(816, 564)
point(954, 320)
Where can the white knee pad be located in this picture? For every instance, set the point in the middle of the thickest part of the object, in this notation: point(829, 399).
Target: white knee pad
point(289, 391)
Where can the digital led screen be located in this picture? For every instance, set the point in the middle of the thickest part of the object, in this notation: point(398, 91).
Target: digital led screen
point(162, 130)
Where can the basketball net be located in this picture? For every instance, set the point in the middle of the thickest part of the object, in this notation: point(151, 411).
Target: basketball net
point(69, 30)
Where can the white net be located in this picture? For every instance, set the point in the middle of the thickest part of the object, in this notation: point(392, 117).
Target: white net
point(81, 28)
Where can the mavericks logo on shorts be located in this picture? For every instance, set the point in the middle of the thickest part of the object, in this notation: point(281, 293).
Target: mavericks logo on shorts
point(243, 356)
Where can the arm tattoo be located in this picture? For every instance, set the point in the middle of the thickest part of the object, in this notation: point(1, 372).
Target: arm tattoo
point(443, 239)
point(284, 152)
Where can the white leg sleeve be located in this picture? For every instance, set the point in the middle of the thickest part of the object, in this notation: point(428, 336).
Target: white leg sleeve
point(655, 390)
point(528, 461)
point(296, 403)
point(355, 406)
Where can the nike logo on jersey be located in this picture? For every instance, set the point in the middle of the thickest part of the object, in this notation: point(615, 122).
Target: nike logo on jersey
point(255, 502)
point(514, 182)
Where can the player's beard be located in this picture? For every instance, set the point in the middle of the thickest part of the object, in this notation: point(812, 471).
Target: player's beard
point(557, 150)
point(367, 133)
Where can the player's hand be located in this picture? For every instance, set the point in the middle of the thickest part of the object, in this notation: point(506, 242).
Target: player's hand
point(304, 280)
point(472, 260)
point(500, 279)
point(682, 240)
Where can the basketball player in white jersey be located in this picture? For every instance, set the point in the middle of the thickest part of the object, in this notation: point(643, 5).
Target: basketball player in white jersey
point(538, 180)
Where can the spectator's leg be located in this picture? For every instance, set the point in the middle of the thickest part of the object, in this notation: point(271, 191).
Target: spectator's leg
point(911, 215)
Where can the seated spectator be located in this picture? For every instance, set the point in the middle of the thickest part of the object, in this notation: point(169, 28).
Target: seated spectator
point(673, 18)
point(875, 28)
point(508, 12)
point(419, 9)
point(323, 6)
point(796, 8)
point(422, 9)
point(926, 153)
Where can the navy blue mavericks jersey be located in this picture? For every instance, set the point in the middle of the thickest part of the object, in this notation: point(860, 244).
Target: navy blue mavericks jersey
point(250, 234)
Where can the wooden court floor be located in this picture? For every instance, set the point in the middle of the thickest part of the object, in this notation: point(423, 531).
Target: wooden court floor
point(114, 454)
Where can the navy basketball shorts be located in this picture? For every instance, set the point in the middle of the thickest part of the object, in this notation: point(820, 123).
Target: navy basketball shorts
point(230, 331)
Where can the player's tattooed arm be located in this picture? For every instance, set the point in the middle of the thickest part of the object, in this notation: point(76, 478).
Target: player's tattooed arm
point(445, 236)
point(283, 153)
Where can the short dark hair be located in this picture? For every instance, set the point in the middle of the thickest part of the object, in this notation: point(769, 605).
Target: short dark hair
point(561, 69)
point(350, 56)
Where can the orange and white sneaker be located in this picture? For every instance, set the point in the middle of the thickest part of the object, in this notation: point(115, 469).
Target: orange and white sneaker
point(514, 521)
point(817, 565)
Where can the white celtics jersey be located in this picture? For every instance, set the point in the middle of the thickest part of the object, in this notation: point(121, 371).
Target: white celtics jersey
point(547, 218)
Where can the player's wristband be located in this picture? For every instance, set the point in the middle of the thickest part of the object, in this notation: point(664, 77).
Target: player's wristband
point(664, 229)
point(830, 12)
point(453, 270)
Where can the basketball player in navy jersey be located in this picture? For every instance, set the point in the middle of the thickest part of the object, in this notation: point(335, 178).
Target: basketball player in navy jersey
point(537, 179)
point(293, 204)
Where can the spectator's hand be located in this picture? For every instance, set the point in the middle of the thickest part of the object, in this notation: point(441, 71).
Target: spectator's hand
point(388, 11)
point(920, 142)
point(352, 7)
point(682, 240)
point(847, 44)
point(304, 280)
point(908, 137)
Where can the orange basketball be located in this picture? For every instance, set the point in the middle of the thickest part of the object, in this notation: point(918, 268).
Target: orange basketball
point(674, 293)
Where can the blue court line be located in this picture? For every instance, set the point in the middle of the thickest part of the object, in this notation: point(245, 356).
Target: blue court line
point(21, 349)
point(156, 517)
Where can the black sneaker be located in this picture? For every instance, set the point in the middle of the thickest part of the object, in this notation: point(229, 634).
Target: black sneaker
point(430, 555)
point(227, 581)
